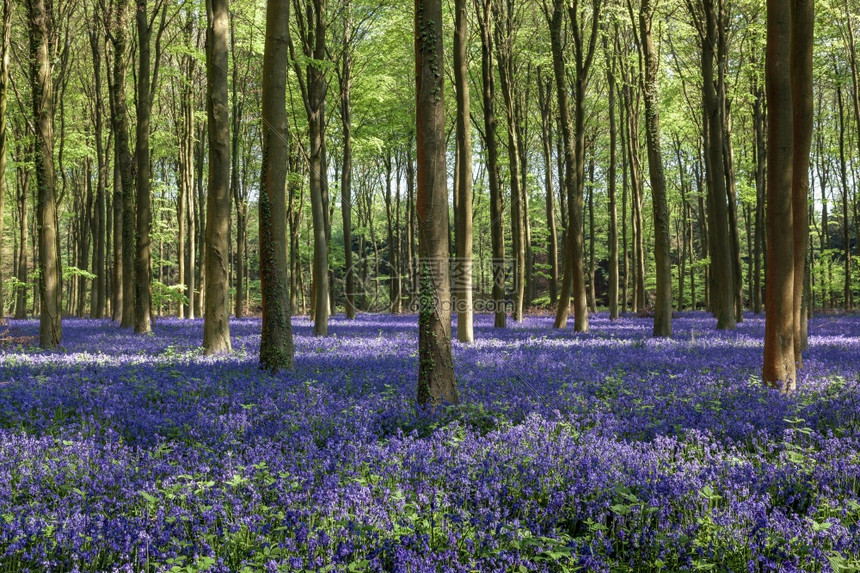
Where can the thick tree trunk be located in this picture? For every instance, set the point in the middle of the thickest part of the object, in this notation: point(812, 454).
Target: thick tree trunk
point(50, 274)
point(216, 323)
point(5, 50)
point(276, 344)
point(779, 363)
point(663, 299)
point(436, 382)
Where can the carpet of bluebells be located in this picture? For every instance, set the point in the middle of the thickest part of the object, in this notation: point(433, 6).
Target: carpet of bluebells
point(610, 451)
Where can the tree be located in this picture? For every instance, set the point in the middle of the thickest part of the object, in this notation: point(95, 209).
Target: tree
point(124, 181)
point(147, 76)
point(663, 302)
point(484, 10)
point(97, 303)
point(802, 22)
point(50, 274)
point(574, 150)
point(216, 324)
point(5, 50)
point(463, 281)
point(612, 184)
point(779, 363)
point(313, 86)
point(436, 381)
point(276, 343)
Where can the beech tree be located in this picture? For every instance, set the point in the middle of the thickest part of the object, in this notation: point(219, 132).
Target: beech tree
point(276, 342)
point(216, 325)
point(41, 81)
point(436, 382)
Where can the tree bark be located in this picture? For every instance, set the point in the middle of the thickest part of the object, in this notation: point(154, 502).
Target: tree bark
point(50, 277)
point(436, 382)
point(612, 184)
point(802, 20)
point(97, 300)
point(545, 106)
point(216, 323)
point(463, 264)
point(143, 231)
point(779, 363)
point(497, 236)
point(5, 50)
point(276, 343)
point(663, 299)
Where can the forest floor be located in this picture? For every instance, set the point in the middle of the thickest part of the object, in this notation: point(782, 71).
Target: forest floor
point(609, 451)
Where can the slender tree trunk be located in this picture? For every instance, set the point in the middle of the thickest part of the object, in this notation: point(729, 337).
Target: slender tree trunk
point(236, 186)
point(436, 382)
point(463, 265)
point(504, 51)
point(663, 299)
point(124, 191)
point(802, 18)
point(723, 296)
point(5, 50)
point(497, 237)
point(346, 169)
point(143, 182)
point(591, 292)
point(611, 184)
point(216, 324)
point(97, 301)
point(276, 344)
point(50, 272)
point(23, 191)
point(760, 160)
point(545, 106)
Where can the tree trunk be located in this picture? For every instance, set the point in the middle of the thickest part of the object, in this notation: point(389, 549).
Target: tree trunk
point(611, 184)
point(504, 50)
point(237, 187)
point(97, 301)
point(5, 50)
point(23, 191)
point(276, 344)
point(545, 106)
point(497, 237)
point(216, 323)
point(722, 273)
point(779, 363)
point(50, 273)
point(436, 382)
point(663, 299)
point(346, 170)
point(123, 185)
point(802, 18)
point(463, 264)
point(143, 239)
